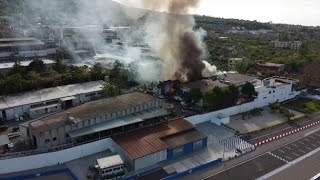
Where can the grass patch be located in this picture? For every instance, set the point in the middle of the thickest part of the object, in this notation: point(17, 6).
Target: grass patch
point(313, 106)
point(304, 105)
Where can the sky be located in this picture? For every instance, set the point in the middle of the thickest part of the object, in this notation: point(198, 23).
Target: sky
point(303, 12)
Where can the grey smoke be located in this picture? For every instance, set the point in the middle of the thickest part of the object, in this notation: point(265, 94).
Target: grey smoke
point(171, 36)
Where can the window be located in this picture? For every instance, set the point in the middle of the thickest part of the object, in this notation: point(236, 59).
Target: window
point(54, 139)
point(274, 91)
point(47, 141)
point(269, 92)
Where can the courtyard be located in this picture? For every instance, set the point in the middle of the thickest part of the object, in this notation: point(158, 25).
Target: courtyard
point(263, 119)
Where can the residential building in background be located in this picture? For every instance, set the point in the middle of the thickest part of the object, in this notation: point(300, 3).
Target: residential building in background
point(294, 45)
point(273, 67)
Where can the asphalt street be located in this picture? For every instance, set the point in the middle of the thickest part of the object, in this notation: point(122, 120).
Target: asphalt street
point(271, 160)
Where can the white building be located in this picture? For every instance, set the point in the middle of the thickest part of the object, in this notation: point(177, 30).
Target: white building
point(109, 166)
point(281, 44)
point(269, 90)
point(46, 101)
point(6, 67)
point(25, 48)
point(295, 45)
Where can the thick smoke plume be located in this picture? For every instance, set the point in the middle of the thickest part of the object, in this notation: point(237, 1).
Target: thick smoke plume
point(171, 35)
point(173, 38)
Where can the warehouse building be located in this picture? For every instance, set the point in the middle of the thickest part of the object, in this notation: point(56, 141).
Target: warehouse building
point(25, 48)
point(5, 68)
point(148, 146)
point(96, 120)
point(46, 101)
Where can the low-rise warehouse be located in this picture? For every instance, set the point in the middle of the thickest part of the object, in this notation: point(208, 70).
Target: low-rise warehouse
point(46, 101)
point(148, 146)
point(96, 120)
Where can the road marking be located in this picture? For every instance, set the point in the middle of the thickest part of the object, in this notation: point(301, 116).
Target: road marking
point(253, 158)
point(288, 157)
point(312, 137)
point(314, 145)
point(302, 151)
point(294, 145)
point(300, 142)
point(295, 154)
point(281, 151)
point(302, 123)
point(278, 157)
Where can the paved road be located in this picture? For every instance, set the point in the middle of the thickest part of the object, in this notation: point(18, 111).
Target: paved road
point(305, 169)
point(281, 129)
point(271, 160)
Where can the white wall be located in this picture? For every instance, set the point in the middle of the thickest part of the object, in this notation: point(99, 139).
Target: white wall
point(150, 160)
point(280, 94)
point(50, 159)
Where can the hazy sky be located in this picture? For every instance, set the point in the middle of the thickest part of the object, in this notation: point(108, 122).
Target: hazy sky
point(305, 12)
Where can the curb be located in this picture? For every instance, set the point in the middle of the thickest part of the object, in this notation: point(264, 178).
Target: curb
point(286, 134)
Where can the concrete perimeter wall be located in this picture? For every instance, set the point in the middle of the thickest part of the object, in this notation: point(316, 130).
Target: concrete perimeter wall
point(257, 103)
point(53, 158)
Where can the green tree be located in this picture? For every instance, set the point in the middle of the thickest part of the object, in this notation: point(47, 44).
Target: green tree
point(248, 89)
point(275, 106)
point(110, 90)
point(240, 67)
point(96, 72)
point(17, 68)
point(37, 66)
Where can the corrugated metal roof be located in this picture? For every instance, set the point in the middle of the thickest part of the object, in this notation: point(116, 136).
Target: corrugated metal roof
point(138, 117)
point(183, 138)
point(95, 109)
point(47, 94)
point(147, 141)
point(110, 161)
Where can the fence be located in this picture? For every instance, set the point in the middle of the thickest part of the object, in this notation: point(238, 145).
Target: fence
point(195, 169)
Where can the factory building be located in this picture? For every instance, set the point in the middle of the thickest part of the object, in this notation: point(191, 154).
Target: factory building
point(150, 145)
point(96, 120)
point(46, 101)
point(5, 68)
point(25, 48)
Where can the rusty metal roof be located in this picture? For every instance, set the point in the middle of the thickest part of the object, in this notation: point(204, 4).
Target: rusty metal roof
point(94, 109)
point(148, 140)
point(184, 138)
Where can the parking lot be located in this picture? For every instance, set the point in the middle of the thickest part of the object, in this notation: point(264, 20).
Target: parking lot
point(272, 160)
point(299, 148)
